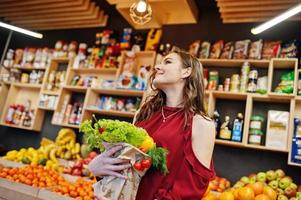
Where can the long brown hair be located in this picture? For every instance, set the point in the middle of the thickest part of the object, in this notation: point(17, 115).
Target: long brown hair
point(193, 94)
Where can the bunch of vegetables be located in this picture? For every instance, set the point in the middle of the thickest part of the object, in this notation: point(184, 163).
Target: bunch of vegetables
point(115, 131)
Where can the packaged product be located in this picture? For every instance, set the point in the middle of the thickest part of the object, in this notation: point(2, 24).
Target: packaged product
point(241, 49)
point(271, 49)
point(205, 50)
point(255, 49)
point(194, 48)
point(227, 51)
point(216, 49)
point(289, 49)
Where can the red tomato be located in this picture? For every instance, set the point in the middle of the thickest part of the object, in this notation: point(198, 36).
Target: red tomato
point(146, 163)
point(138, 166)
point(92, 154)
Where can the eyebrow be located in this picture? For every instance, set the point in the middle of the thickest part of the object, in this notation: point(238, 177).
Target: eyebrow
point(165, 59)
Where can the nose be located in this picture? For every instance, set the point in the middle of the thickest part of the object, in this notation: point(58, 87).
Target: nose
point(158, 67)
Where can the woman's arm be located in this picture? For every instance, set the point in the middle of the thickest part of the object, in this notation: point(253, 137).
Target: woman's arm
point(203, 139)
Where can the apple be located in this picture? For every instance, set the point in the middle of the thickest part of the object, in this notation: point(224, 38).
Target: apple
point(271, 175)
point(239, 184)
point(273, 184)
point(279, 191)
point(282, 197)
point(261, 176)
point(285, 182)
point(280, 173)
point(78, 164)
point(298, 195)
point(293, 185)
point(290, 192)
point(252, 177)
point(92, 154)
point(228, 184)
point(293, 198)
point(245, 180)
point(299, 188)
point(76, 172)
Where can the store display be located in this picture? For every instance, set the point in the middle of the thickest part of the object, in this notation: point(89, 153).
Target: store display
point(274, 184)
point(20, 115)
point(79, 61)
point(287, 83)
point(237, 128)
point(255, 50)
point(277, 129)
point(255, 130)
point(234, 83)
point(9, 62)
point(227, 51)
point(227, 84)
point(80, 168)
point(289, 49)
point(262, 85)
point(271, 49)
point(194, 48)
point(40, 177)
point(245, 70)
point(216, 49)
point(129, 104)
point(143, 76)
point(48, 101)
point(252, 81)
point(138, 146)
point(85, 81)
point(217, 121)
point(226, 129)
point(73, 114)
point(213, 80)
point(126, 38)
point(153, 39)
point(296, 142)
point(219, 184)
point(205, 50)
point(241, 49)
point(56, 80)
point(59, 116)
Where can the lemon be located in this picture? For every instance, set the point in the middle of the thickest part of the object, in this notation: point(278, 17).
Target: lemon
point(147, 144)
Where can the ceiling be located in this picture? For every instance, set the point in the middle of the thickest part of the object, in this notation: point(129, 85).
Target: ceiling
point(245, 11)
point(52, 14)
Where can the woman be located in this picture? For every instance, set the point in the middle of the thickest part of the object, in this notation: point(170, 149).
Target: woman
point(175, 117)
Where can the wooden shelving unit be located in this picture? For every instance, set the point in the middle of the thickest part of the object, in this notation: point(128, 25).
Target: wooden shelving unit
point(111, 112)
point(17, 93)
point(273, 69)
point(26, 68)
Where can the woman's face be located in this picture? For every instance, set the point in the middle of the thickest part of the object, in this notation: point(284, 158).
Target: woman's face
point(169, 71)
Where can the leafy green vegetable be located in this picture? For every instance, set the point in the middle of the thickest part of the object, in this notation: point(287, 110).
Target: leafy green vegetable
point(158, 155)
point(114, 131)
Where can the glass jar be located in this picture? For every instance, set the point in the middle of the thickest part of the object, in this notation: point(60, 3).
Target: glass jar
point(256, 122)
point(255, 137)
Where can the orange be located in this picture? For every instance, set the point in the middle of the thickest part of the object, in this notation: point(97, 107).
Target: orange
point(235, 193)
point(246, 193)
point(270, 192)
point(262, 197)
point(210, 196)
point(257, 188)
point(226, 196)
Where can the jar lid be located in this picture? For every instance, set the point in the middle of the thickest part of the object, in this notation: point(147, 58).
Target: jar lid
point(257, 118)
point(255, 132)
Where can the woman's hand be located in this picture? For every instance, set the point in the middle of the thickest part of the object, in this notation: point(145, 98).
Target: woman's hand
point(105, 165)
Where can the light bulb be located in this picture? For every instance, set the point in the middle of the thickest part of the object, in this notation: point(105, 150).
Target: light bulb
point(141, 6)
point(141, 12)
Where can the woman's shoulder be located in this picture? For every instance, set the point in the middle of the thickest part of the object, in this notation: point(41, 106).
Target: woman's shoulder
point(203, 121)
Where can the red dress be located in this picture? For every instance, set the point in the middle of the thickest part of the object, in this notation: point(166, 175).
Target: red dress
point(187, 178)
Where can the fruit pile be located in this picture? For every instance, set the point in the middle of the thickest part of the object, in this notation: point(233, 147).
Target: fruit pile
point(64, 147)
point(219, 184)
point(283, 185)
point(79, 168)
point(39, 176)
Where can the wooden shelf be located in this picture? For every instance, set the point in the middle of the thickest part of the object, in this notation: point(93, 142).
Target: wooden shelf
point(284, 63)
point(17, 126)
point(264, 148)
point(298, 98)
point(111, 112)
point(230, 95)
point(75, 88)
point(54, 93)
point(27, 85)
point(119, 92)
point(45, 108)
point(26, 68)
point(294, 164)
point(282, 96)
point(228, 143)
point(66, 125)
point(60, 59)
point(233, 63)
point(93, 70)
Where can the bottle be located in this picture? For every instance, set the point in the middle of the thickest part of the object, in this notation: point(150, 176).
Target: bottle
point(237, 128)
point(225, 131)
point(217, 121)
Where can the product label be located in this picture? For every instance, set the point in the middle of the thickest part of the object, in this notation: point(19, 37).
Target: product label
point(255, 125)
point(225, 134)
point(255, 139)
